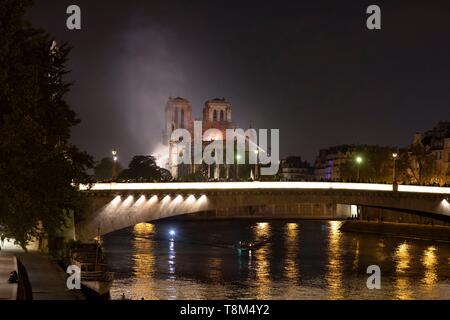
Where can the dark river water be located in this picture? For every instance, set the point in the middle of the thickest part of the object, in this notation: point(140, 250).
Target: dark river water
point(303, 260)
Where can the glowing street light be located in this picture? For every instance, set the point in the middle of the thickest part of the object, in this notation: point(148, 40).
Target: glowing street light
point(238, 157)
point(359, 160)
point(114, 153)
point(394, 175)
point(114, 168)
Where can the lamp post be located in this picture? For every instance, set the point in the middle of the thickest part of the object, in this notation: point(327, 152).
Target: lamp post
point(256, 165)
point(114, 168)
point(238, 157)
point(394, 174)
point(359, 160)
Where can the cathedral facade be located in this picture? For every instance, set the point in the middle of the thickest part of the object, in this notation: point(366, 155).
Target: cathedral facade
point(178, 115)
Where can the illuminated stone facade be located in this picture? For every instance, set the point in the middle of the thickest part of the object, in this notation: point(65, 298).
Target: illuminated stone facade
point(329, 162)
point(438, 142)
point(178, 115)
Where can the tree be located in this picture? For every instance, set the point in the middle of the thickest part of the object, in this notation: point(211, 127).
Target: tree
point(104, 169)
point(200, 175)
point(144, 168)
point(39, 167)
point(166, 176)
point(376, 165)
point(417, 165)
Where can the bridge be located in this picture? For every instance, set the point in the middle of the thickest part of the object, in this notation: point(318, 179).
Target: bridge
point(114, 206)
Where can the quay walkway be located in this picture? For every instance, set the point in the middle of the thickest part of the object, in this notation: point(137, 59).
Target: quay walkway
point(8, 291)
point(47, 279)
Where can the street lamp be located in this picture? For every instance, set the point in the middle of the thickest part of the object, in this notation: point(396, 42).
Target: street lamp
point(238, 157)
point(394, 175)
point(256, 164)
point(114, 168)
point(359, 160)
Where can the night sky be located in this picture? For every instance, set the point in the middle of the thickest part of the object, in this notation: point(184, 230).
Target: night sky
point(310, 68)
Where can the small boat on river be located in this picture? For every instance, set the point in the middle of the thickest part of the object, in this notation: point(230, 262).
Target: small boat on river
point(94, 270)
point(251, 245)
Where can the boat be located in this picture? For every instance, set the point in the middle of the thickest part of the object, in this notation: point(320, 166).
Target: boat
point(94, 270)
point(251, 245)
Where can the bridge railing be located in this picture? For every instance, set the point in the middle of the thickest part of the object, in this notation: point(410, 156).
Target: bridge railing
point(255, 185)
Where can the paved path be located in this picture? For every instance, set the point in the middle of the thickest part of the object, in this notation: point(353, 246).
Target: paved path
point(48, 280)
point(7, 290)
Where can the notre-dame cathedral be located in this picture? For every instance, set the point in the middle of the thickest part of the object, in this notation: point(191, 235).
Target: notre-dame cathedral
point(178, 115)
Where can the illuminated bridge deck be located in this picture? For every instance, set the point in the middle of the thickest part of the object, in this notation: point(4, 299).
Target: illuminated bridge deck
point(211, 186)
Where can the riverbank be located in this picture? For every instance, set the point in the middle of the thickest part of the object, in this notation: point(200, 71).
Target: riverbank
point(46, 278)
point(405, 230)
point(8, 291)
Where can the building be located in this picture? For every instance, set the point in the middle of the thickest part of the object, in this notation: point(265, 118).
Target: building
point(369, 163)
point(437, 141)
point(217, 115)
point(329, 162)
point(178, 115)
point(295, 169)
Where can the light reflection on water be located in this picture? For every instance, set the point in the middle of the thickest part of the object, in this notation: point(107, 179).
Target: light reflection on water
point(334, 268)
point(303, 260)
point(402, 260)
point(262, 270)
point(430, 264)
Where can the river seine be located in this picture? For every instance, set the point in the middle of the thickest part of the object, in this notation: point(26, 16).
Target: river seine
point(302, 260)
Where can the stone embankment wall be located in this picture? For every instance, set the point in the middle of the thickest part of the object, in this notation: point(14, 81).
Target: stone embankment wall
point(405, 230)
point(386, 215)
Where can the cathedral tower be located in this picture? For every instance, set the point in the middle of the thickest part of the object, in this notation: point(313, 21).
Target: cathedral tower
point(178, 114)
point(217, 115)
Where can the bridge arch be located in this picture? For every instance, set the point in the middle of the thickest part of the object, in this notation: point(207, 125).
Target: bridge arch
point(117, 206)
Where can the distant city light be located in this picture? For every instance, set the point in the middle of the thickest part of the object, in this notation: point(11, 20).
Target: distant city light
point(395, 155)
point(359, 160)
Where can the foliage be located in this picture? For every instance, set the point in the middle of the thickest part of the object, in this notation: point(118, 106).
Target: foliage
point(104, 169)
point(201, 175)
point(145, 169)
point(376, 165)
point(39, 167)
point(417, 165)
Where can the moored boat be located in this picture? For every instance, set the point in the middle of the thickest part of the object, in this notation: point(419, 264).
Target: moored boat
point(94, 269)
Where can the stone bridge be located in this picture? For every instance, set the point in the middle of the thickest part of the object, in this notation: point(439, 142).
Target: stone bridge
point(115, 206)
